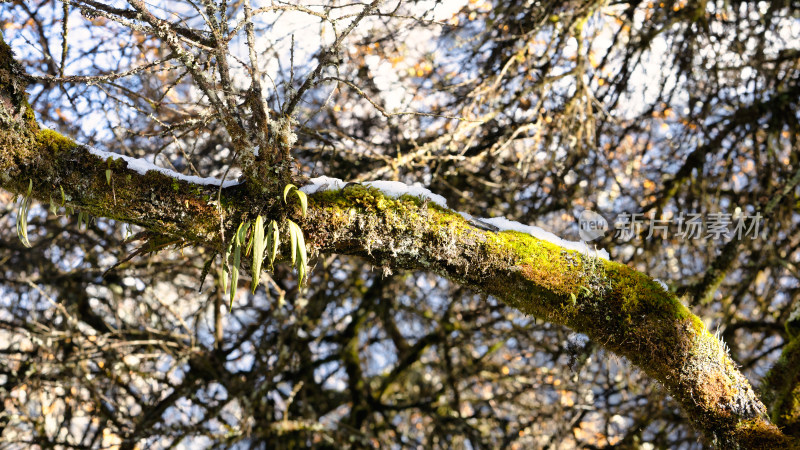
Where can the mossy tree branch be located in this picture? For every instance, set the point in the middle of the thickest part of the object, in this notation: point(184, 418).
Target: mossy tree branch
point(781, 389)
point(625, 311)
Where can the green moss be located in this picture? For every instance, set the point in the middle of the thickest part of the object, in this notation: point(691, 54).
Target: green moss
point(372, 199)
point(628, 312)
point(787, 410)
point(637, 292)
point(760, 434)
point(54, 142)
point(782, 389)
point(357, 198)
point(28, 115)
point(582, 290)
point(329, 199)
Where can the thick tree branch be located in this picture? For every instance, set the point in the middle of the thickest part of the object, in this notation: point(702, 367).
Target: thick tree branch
point(780, 388)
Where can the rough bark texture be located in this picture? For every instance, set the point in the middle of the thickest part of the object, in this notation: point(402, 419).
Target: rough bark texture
point(781, 389)
point(625, 311)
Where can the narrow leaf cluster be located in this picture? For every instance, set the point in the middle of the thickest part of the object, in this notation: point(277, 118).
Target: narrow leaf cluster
point(297, 241)
point(22, 216)
point(264, 243)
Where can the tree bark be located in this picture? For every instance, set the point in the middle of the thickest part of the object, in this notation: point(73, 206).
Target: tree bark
point(781, 389)
point(625, 311)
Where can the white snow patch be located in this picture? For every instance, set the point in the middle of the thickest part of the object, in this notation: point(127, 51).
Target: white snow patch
point(509, 225)
point(396, 189)
point(143, 166)
point(392, 189)
point(322, 184)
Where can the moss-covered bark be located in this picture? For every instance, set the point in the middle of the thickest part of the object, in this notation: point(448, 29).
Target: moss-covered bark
point(781, 388)
point(625, 311)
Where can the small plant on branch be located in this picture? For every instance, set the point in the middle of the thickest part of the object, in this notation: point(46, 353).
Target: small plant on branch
point(264, 243)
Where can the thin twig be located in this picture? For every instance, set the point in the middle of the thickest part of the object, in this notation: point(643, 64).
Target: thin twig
point(325, 56)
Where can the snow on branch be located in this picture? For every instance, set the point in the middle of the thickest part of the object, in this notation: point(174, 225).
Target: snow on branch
point(393, 189)
point(142, 166)
point(397, 189)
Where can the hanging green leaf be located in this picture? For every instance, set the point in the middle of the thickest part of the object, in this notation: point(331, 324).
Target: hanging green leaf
point(268, 245)
point(302, 260)
point(286, 190)
point(108, 176)
point(293, 240)
point(22, 216)
point(298, 244)
point(250, 242)
point(223, 278)
point(63, 197)
point(83, 220)
point(53, 207)
point(22, 221)
point(241, 233)
point(303, 201)
point(300, 195)
point(244, 227)
point(204, 273)
point(258, 250)
point(274, 233)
